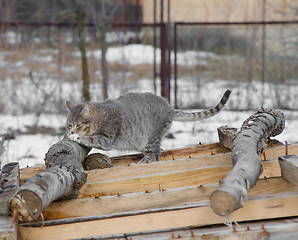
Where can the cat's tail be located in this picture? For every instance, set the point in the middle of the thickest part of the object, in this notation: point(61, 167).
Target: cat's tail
point(182, 116)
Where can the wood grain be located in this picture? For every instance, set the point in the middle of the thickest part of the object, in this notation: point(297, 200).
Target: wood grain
point(263, 208)
point(156, 199)
point(165, 166)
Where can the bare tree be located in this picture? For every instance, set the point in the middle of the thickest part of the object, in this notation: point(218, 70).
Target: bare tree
point(103, 13)
point(80, 16)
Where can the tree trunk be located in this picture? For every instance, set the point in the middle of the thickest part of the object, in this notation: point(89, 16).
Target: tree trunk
point(82, 48)
point(104, 67)
point(62, 178)
point(247, 166)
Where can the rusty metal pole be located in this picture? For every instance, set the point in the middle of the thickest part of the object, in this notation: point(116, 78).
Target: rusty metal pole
point(175, 66)
point(169, 51)
point(263, 51)
point(165, 91)
point(154, 47)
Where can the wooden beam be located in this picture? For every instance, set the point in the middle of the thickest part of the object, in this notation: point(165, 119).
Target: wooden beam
point(165, 166)
point(261, 208)
point(156, 199)
point(199, 150)
point(166, 180)
point(276, 229)
point(247, 231)
point(289, 168)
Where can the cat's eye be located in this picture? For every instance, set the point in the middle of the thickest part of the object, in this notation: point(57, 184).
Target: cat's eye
point(69, 126)
point(78, 125)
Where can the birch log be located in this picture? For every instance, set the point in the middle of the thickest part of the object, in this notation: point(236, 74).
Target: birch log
point(62, 178)
point(247, 167)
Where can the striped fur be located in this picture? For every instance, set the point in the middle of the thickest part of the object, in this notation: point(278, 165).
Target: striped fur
point(182, 116)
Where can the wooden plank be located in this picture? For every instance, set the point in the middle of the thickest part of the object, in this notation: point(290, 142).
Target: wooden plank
point(287, 232)
point(9, 182)
point(166, 180)
point(194, 151)
point(289, 168)
point(199, 150)
point(249, 231)
point(157, 199)
point(285, 229)
point(179, 165)
point(166, 166)
point(264, 208)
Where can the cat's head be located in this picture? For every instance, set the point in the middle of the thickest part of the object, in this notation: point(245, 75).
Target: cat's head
point(82, 119)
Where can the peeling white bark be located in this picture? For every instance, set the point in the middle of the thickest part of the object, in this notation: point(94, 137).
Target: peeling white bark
point(247, 167)
point(62, 178)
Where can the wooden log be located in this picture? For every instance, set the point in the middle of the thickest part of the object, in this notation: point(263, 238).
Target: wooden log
point(9, 182)
point(97, 161)
point(199, 215)
point(226, 135)
point(156, 199)
point(62, 178)
point(289, 168)
point(247, 165)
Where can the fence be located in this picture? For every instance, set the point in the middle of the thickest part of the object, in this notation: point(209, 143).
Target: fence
point(246, 55)
point(250, 56)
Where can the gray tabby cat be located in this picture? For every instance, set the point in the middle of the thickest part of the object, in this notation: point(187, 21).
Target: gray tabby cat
point(133, 121)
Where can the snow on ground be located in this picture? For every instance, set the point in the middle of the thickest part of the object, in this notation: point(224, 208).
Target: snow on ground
point(136, 54)
point(29, 150)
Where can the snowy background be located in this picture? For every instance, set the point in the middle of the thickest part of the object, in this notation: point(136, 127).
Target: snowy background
point(33, 112)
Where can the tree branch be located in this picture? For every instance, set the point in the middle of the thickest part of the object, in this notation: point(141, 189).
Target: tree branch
point(62, 178)
point(247, 167)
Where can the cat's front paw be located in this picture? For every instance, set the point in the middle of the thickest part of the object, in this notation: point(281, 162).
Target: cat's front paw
point(74, 137)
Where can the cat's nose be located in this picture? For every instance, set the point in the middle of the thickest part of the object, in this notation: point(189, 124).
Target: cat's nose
point(72, 131)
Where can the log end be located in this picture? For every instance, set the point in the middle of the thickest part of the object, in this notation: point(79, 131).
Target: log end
point(222, 203)
point(27, 205)
point(97, 161)
point(226, 135)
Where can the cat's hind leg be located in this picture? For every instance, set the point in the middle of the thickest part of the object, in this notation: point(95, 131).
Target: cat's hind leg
point(152, 151)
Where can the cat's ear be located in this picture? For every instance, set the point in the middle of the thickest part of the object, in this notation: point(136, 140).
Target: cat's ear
point(88, 110)
point(70, 105)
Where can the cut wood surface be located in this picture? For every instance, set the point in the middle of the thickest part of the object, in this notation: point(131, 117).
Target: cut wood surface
point(226, 135)
point(261, 208)
point(156, 199)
